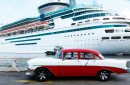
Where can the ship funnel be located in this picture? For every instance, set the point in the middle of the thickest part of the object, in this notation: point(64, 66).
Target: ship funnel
point(51, 6)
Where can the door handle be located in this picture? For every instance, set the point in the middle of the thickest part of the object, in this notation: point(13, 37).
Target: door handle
point(77, 61)
point(93, 61)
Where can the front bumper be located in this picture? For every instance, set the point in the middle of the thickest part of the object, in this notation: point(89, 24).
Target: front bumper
point(29, 72)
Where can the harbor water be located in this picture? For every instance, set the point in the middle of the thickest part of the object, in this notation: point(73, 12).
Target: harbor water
point(24, 63)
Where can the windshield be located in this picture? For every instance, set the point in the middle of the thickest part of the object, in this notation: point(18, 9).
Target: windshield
point(59, 55)
point(101, 56)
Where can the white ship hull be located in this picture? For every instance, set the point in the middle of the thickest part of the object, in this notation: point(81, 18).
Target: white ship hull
point(87, 39)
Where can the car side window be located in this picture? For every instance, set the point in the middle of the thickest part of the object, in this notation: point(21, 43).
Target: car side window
point(71, 55)
point(96, 57)
point(86, 56)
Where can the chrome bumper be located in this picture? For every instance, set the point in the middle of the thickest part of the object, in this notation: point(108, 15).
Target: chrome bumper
point(28, 72)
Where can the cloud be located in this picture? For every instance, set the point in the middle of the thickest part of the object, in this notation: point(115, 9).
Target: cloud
point(12, 19)
point(8, 8)
point(37, 3)
point(15, 18)
point(41, 2)
point(126, 13)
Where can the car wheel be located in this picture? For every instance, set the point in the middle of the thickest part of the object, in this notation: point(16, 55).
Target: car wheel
point(42, 75)
point(103, 75)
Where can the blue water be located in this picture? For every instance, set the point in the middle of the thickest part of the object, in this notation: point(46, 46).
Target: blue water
point(24, 63)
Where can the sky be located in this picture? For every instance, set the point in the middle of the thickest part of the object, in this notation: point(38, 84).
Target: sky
point(14, 10)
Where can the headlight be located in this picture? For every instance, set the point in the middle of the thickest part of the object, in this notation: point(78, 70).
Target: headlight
point(128, 64)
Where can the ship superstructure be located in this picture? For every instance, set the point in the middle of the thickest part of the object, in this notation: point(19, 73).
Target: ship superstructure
point(59, 24)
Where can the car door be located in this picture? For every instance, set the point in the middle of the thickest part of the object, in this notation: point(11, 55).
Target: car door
point(88, 70)
point(70, 65)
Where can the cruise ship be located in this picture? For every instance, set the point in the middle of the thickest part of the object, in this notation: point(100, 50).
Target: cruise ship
point(68, 26)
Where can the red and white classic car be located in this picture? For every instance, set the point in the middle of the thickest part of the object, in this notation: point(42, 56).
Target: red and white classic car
point(76, 62)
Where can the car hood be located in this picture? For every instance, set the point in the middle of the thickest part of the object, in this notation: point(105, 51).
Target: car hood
point(43, 61)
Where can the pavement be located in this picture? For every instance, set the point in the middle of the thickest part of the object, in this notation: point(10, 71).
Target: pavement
point(19, 78)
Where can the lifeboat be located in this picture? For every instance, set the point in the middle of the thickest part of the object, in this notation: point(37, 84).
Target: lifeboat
point(30, 26)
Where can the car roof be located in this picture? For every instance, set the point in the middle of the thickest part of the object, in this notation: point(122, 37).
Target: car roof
point(80, 50)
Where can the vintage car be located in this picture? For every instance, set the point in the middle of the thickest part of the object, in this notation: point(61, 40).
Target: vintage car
point(76, 62)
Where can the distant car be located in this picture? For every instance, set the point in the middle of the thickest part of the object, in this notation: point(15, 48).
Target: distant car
point(76, 62)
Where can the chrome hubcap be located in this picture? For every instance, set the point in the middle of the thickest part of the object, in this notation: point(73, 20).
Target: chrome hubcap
point(104, 75)
point(42, 75)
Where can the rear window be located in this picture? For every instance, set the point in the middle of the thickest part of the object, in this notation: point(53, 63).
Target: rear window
point(88, 56)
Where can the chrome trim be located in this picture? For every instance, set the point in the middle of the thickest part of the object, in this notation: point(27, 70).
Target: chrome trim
point(29, 72)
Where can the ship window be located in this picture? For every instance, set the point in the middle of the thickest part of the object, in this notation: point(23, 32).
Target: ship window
point(67, 16)
point(80, 22)
point(127, 30)
point(120, 25)
point(52, 24)
point(26, 40)
point(85, 28)
point(26, 44)
point(72, 30)
point(81, 29)
point(66, 12)
point(60, 32)
point(87, 21)
point(105, 38)
point(73, 24)
point(81, 9)
point(105, 18)
point(116, 37)
point(47, 18)
point(89, 16)
point(119, 18)
point(109, 31)
point(126, 37)
point(95, 19)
